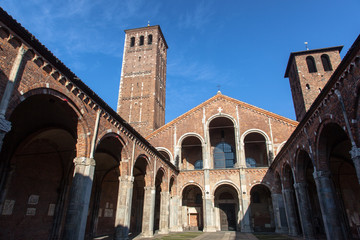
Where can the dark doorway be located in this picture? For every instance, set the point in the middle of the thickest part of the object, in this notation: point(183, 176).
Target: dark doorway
point(227, 217)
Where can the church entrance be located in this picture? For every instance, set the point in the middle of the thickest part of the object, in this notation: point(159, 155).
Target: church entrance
point(192, 208)
point(227, 217)
point(226, 208)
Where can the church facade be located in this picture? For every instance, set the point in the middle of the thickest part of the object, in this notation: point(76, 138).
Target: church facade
point(73, 168)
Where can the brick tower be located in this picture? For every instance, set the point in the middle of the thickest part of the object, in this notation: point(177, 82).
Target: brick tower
point(308, 72)
point(141, 99)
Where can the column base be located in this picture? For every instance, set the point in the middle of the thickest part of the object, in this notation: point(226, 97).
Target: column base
point(176, 229)
point(246, 229)
point(282, 230)
point(147, 234)
point(210, 229)
point(163, 231)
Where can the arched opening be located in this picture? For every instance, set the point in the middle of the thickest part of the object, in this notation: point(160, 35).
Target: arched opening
point(191, 153)
point(310, 61)
point(104, 193)
point(165, 155)
point(137, 206)
point(226, 208)
point(255, 150)
point(38, 156)
point(292, 209)
point(222, 140)
point(261, 209)
point(132, 42)
point(326, 62)
point(141, 41)
point(279, 205)
point(158, 182)
point(305, 173)
point(150, 39)
point(192, 208)
point(334, 148)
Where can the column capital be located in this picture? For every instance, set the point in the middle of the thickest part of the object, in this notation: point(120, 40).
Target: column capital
point(287, 190)
point(84, 161)
point(126, 178)
point(298, 185)
point(5, 125)
point(354, 152)
point(321, 174)
point(149, 188)
point(164, 193)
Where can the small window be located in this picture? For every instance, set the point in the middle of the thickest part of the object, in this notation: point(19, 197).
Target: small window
point(311, 64)
point(198, 164)
point(141, 40)
point(132, 42)
point(307, 86)
point(326, 62)
point(150, 39)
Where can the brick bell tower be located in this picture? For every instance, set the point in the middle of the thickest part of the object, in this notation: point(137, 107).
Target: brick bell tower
point(141, 99)
point(308, 72)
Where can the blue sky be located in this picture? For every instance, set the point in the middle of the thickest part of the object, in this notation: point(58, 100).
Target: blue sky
point(241, 45)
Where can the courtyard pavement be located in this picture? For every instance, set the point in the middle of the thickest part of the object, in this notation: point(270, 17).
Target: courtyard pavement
point(218, 236)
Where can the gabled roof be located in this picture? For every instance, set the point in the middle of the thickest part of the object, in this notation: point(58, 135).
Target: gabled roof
point(293, 54)
point(235, 101)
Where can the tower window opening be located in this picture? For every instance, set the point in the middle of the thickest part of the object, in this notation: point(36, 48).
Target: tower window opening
point(307, 86)
point(311, 64)
point(132, 42)
point(150, 39)
point(141, 40)
point(326, 62)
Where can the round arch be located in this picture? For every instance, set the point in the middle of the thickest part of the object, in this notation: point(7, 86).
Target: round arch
point(321, 131)
point(257, 151)
point(261, 209)
point(226, 182)
point(189, 184)
point(221, 115)
point(255, 130)
point(166, 151)
point(190, 134)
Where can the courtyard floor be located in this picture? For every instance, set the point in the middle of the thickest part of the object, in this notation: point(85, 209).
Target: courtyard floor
point(219, 236)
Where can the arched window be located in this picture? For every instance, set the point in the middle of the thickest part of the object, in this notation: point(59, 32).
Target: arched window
point(255, 150)
point(326, 62)
point(311, 64)
point(224, 156)
point(132, 42)
point(150, 39)
point(198, 164)
point(141, 40)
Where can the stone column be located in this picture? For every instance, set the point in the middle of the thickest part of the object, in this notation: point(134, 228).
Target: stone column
point(279, 213)
point(332, 222)
point(304, 204)
point(355, 157)
point(208, 205)
point(175, 209)
point(164, 213)
point(15, 73)
point(80, 193)
point(291, 214)
point(149, 210)
point(245, 222)
point(123, 207)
